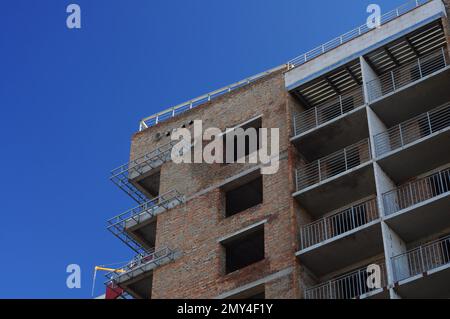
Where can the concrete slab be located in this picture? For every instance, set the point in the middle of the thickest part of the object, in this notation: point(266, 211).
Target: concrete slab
point(345, 250)
point(332, 136)
point(414, 99)
point(420, 220)
point(338, 191)
point(416, 158)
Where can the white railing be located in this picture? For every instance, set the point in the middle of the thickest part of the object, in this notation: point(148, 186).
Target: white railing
point(330, 45)
point(407, 74)
point(416, 192)
point(332, 165)
point(412, 130)
point(340, 223)
point(183, 107)
point(355, 33)
point(348, 286)
point(422, 259)
point(328, 111)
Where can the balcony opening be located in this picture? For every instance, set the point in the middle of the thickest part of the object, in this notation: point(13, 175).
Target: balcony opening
point(141, 288)
point(248, 148)
point(243, 197)
point(150, 184)
point(244, 249)
point(145, 235)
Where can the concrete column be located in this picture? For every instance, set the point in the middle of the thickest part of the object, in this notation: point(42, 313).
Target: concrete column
point(371, 82)
point(392, 242)
point(376, 126)
point(446, 24)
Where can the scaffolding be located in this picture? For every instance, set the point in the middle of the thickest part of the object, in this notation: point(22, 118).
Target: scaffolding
point(118, 225)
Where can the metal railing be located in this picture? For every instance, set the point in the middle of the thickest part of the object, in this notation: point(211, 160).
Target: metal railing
point(332, 165)
point(121, 176)
point(183, 107)
point(135, 266)
point(348, 286)
point(409, 73)
point(326, 47)
point(416, 192)
point(412, 130)
point(327, 111)
point(422, 259)
point(342, 222)
point(355, 33)
point(117, 225)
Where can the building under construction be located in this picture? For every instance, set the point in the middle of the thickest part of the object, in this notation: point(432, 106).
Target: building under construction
point(364, 177)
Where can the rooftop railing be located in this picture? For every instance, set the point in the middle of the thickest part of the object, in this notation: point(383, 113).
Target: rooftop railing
point(328, 111)
point(332, 165)
point(422, 259)
point(413, 130)
point(348, 286)
point(186, 106)
point(416, 192)
point(121, 176)
point(355, 33)
point(407, 74)
point(117, 225)
point(302, 59)
point(340, 223)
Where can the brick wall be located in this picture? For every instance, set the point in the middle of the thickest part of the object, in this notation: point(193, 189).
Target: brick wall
point(193, 228)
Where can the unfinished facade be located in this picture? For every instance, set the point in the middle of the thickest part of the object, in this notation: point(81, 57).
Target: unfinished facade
point(363, 179)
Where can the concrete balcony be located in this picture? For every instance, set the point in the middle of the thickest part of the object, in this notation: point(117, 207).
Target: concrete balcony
point(137, 276)
point(352, 285)
point(334, 123)
point(417, 142)
point(424, 272)
point(140, 177)
point(422, 82)
point(422, 207)
point(137, 227)
point(335, 180)
point(344, 238)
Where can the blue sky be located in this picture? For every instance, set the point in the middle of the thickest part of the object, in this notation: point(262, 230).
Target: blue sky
point(71, 99)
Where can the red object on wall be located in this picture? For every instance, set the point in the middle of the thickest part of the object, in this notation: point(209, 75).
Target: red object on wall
point(113, 292)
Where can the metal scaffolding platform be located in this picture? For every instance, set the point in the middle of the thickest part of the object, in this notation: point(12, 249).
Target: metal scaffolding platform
point(118, 224)
point(125, 174)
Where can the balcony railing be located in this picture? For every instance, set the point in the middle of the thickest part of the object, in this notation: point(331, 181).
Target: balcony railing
point(137, 266)
point(339, 223)
point(416, 192)
point(355, 33)
point(117, 224)
point(348, 286)
point(327, 111)
point(121, 176)
point(332, 165)
point(412, 130)
point(409, 73)
point(422, 259)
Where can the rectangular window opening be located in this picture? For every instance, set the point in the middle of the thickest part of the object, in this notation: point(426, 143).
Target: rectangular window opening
point(244, 249)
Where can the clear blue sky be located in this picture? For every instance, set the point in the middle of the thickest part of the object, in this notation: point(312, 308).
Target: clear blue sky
point(71, 99)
